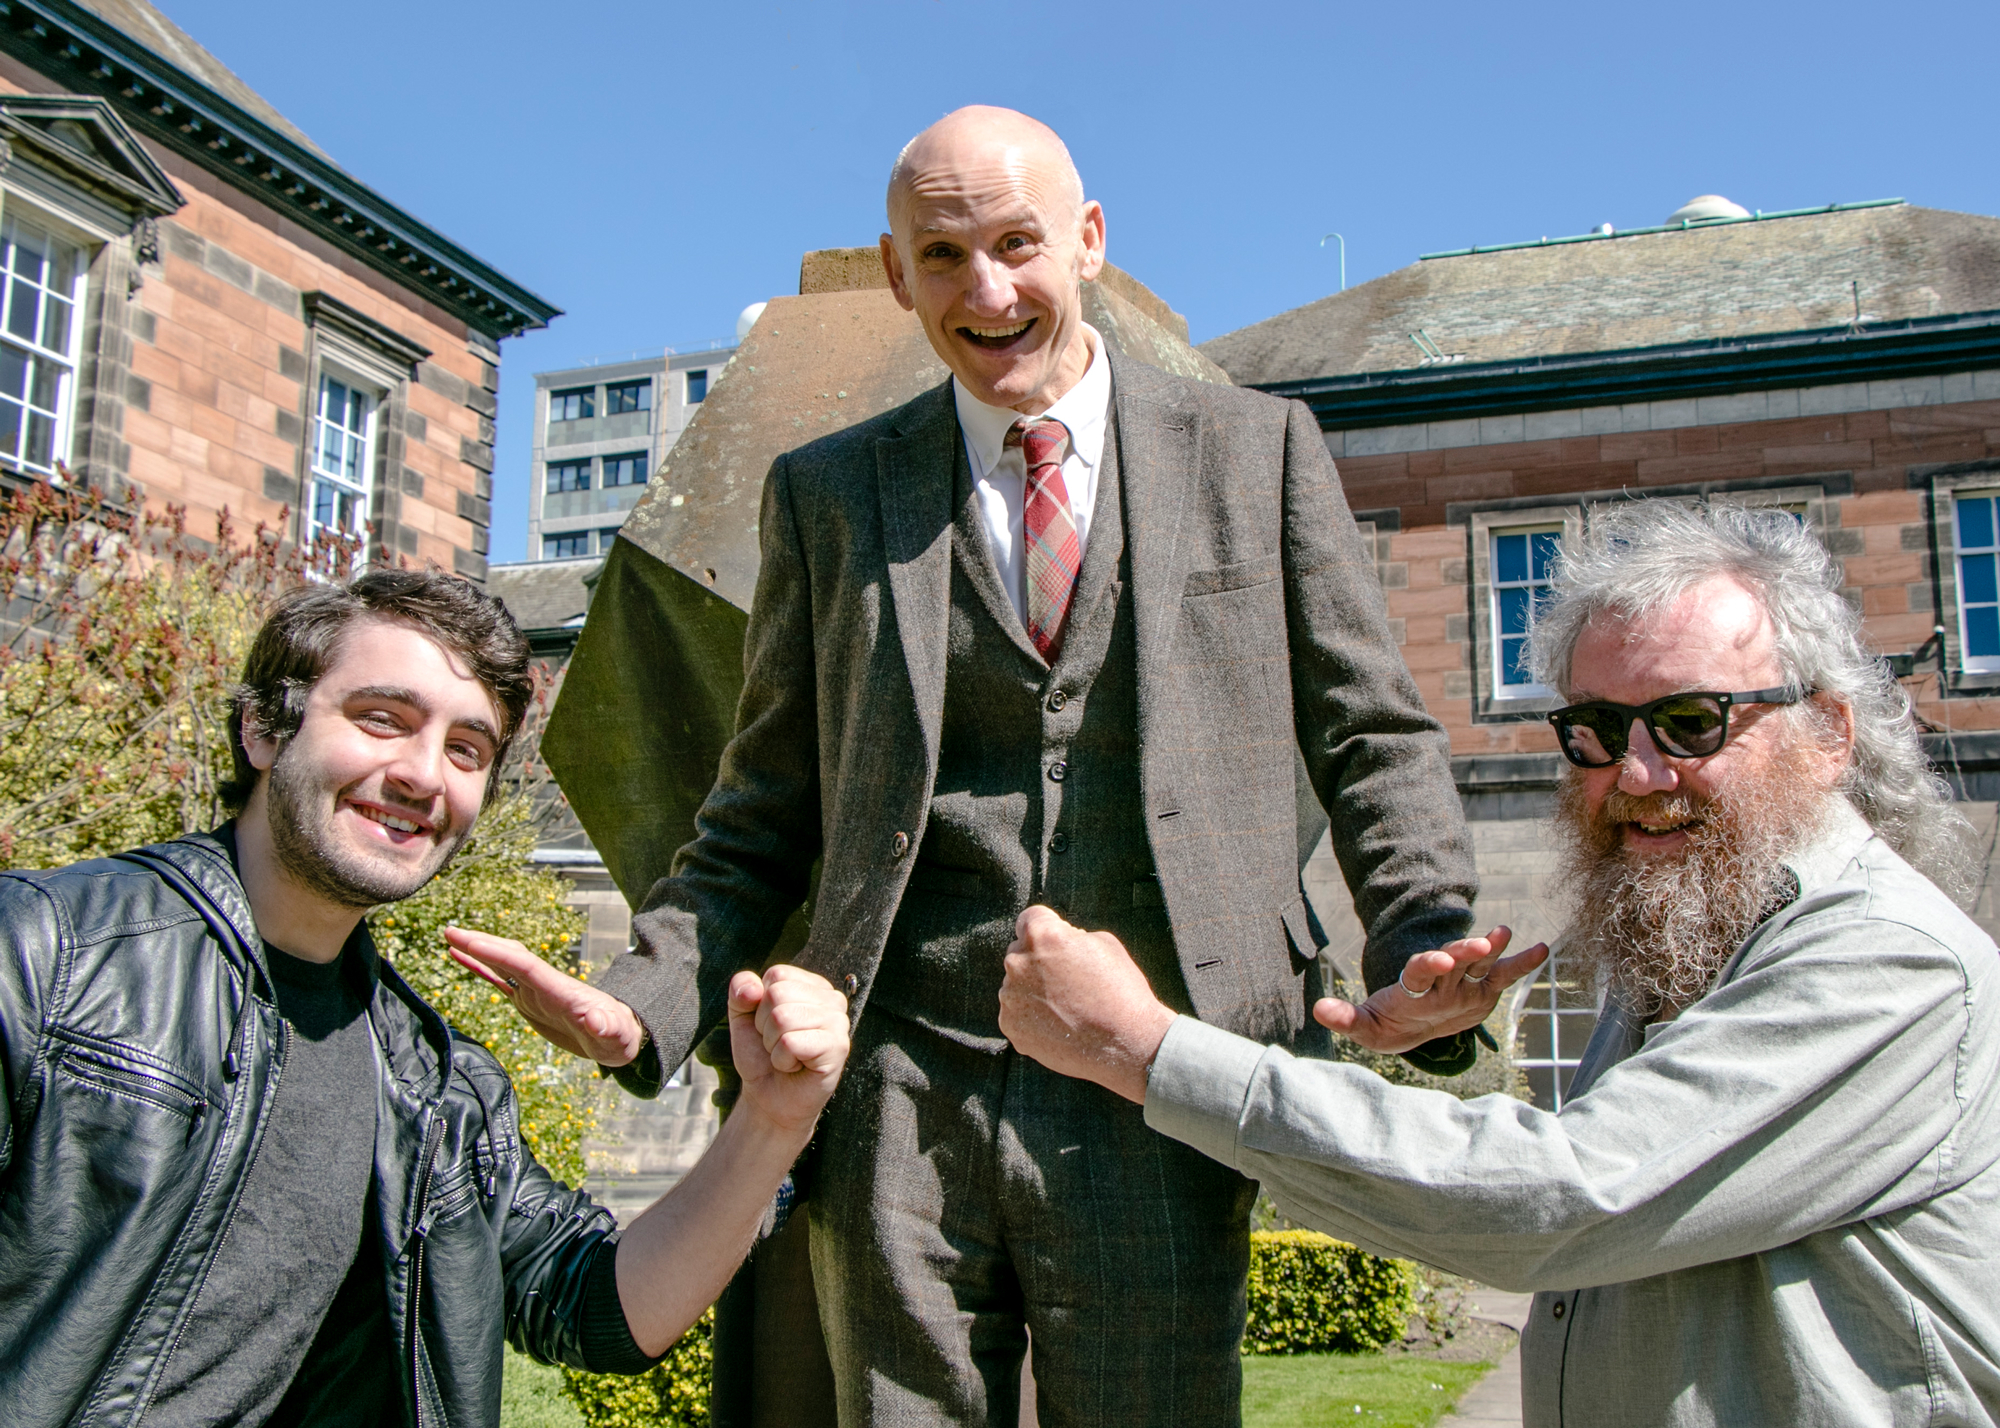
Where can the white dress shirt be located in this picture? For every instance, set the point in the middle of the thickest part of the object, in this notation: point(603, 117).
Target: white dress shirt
point(1000, 474)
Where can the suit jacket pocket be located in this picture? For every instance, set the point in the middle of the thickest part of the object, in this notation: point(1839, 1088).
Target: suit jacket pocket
point(1236, 576)
point(945, 882)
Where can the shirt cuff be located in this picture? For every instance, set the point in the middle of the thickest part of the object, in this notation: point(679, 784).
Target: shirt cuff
point(1199, 1084)
point(607, 1342)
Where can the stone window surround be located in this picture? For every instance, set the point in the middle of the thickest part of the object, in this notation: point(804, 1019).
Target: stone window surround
point(1942, 483)
point(348, 345)
point(1481, 519)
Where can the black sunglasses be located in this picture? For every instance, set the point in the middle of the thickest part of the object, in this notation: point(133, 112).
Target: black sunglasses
point(1688, 726)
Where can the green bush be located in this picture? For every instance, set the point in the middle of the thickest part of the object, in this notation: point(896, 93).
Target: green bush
point(1311, 1294)
point(671, 1394)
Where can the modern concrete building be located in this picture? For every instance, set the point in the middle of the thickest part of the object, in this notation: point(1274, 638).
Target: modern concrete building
point(205, 310)
point(1840, 363)
point(600, 433)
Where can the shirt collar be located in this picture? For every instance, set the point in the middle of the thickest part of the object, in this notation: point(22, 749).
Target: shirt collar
point(1084, 409)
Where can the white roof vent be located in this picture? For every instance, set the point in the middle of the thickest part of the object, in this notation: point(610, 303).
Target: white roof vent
point(1708, 206)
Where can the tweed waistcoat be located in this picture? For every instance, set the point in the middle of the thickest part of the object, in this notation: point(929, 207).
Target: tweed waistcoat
point(1037, 792)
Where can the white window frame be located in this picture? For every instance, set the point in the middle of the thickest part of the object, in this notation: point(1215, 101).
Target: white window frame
point(69, 360)
point(317, 475)
point(1541, 1001)
point(1968, 662)
point(1533, 688)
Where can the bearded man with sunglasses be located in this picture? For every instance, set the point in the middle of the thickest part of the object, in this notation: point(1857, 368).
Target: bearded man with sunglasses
point(1773, 1192)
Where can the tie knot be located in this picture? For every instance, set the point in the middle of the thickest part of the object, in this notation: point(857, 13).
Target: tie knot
point(1042, 440)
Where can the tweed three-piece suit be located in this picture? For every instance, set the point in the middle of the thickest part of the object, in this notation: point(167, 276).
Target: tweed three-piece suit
point(898, 728)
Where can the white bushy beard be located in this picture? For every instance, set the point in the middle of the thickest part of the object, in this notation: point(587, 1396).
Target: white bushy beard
point(1662, 927)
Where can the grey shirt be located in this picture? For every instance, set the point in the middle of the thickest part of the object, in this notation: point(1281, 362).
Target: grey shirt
point(1781, 1207)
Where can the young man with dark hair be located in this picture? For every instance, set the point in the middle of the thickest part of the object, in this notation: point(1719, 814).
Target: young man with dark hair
point(248, 1175)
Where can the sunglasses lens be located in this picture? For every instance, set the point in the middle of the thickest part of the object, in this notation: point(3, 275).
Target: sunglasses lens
point(1593, 737)
point(1691, 727)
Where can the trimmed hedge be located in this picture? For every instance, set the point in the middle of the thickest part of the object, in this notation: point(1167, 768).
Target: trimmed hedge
point(1311, 1294)
point(671, 1394)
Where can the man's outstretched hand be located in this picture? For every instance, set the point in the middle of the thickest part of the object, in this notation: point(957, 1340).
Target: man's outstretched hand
point(1076, 1002)
point(574, 1015)
point(1441, 992)
point(788, 1037)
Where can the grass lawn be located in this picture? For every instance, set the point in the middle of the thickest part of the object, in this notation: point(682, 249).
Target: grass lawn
point(1313, 1390)
point(531, 1396)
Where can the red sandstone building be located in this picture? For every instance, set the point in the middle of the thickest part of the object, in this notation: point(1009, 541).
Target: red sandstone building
point(1840, 363)
point(202, 309)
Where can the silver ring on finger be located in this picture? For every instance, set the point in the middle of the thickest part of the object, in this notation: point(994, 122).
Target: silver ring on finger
point(512, 985)
point(1413, 996)
point(1475, 980)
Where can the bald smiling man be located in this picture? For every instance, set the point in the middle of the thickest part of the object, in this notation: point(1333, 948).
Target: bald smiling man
point(1057, 631)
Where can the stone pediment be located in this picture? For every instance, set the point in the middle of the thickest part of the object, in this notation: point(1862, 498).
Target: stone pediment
point(80, 140)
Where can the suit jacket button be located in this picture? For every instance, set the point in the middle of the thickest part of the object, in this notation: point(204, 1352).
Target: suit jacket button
point(1558, 1309)
point(899, 845)
point(1059, 843)
point(850, 984)
point(1057, 700)
point(1058, 771)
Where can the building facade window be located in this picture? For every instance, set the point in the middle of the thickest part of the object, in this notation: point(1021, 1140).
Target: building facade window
point(628, 397)
point(39, 333)
point(697, 386)
point(568, 476)
point(605, 537)
point(627, 470)
point(1520, 563)
point(566, 546)
point(343, 458)
point(573, 405)
point(1978, 581)
point(1552, 1025)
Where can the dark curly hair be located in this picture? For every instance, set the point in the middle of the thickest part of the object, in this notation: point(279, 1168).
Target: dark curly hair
point(301, 638)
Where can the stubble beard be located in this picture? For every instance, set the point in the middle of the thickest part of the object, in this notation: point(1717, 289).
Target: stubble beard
point(1660, 928)
point(313, 856)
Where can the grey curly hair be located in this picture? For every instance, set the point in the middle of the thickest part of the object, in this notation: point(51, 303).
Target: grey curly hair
point(1638, 558)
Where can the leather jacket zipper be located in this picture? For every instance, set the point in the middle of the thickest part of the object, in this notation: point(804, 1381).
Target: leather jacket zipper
point(425, 1217)
point(85, 1062)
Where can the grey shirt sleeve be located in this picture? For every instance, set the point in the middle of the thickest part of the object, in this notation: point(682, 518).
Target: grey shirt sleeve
point(1826, 1082)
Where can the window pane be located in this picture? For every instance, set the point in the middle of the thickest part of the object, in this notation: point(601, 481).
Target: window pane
point(1546, 544)
point(1975, 573)
point(22, 309)
point(55, 325)
point(697, 387)
point(10, 429)
point(1510, 558)
point(46, 387)
point(1513, 610)
point(13, 371)
point(1982, 632)
point(1514, 662)
point(1975, 523)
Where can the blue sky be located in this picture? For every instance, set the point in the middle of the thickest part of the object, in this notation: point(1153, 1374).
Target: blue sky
point(652, 168)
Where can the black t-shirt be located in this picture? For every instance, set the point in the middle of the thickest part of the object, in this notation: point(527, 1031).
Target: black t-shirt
point(290, 1326)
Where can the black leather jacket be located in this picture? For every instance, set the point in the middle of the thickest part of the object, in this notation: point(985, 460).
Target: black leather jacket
point(140, 1046)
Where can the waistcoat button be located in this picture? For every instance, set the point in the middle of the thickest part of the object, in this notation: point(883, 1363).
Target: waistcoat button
point(1059, 843)
point(1559, 1309)
point(1057, 700)
point(851, 983)
point(899, 845)
point(1058, 770)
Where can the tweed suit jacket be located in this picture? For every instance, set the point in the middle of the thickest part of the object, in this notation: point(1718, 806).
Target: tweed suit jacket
point(1260, 631)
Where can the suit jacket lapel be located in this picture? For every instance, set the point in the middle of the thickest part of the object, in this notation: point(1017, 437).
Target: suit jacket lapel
point(914, 478)
point(1158, 445)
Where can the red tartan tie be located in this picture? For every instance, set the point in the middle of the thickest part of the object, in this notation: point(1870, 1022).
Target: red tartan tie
point(1053, 550)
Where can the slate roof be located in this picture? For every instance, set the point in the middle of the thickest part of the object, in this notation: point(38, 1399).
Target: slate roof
point(544, 594)
point(1639, 290)
point(174, 45)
